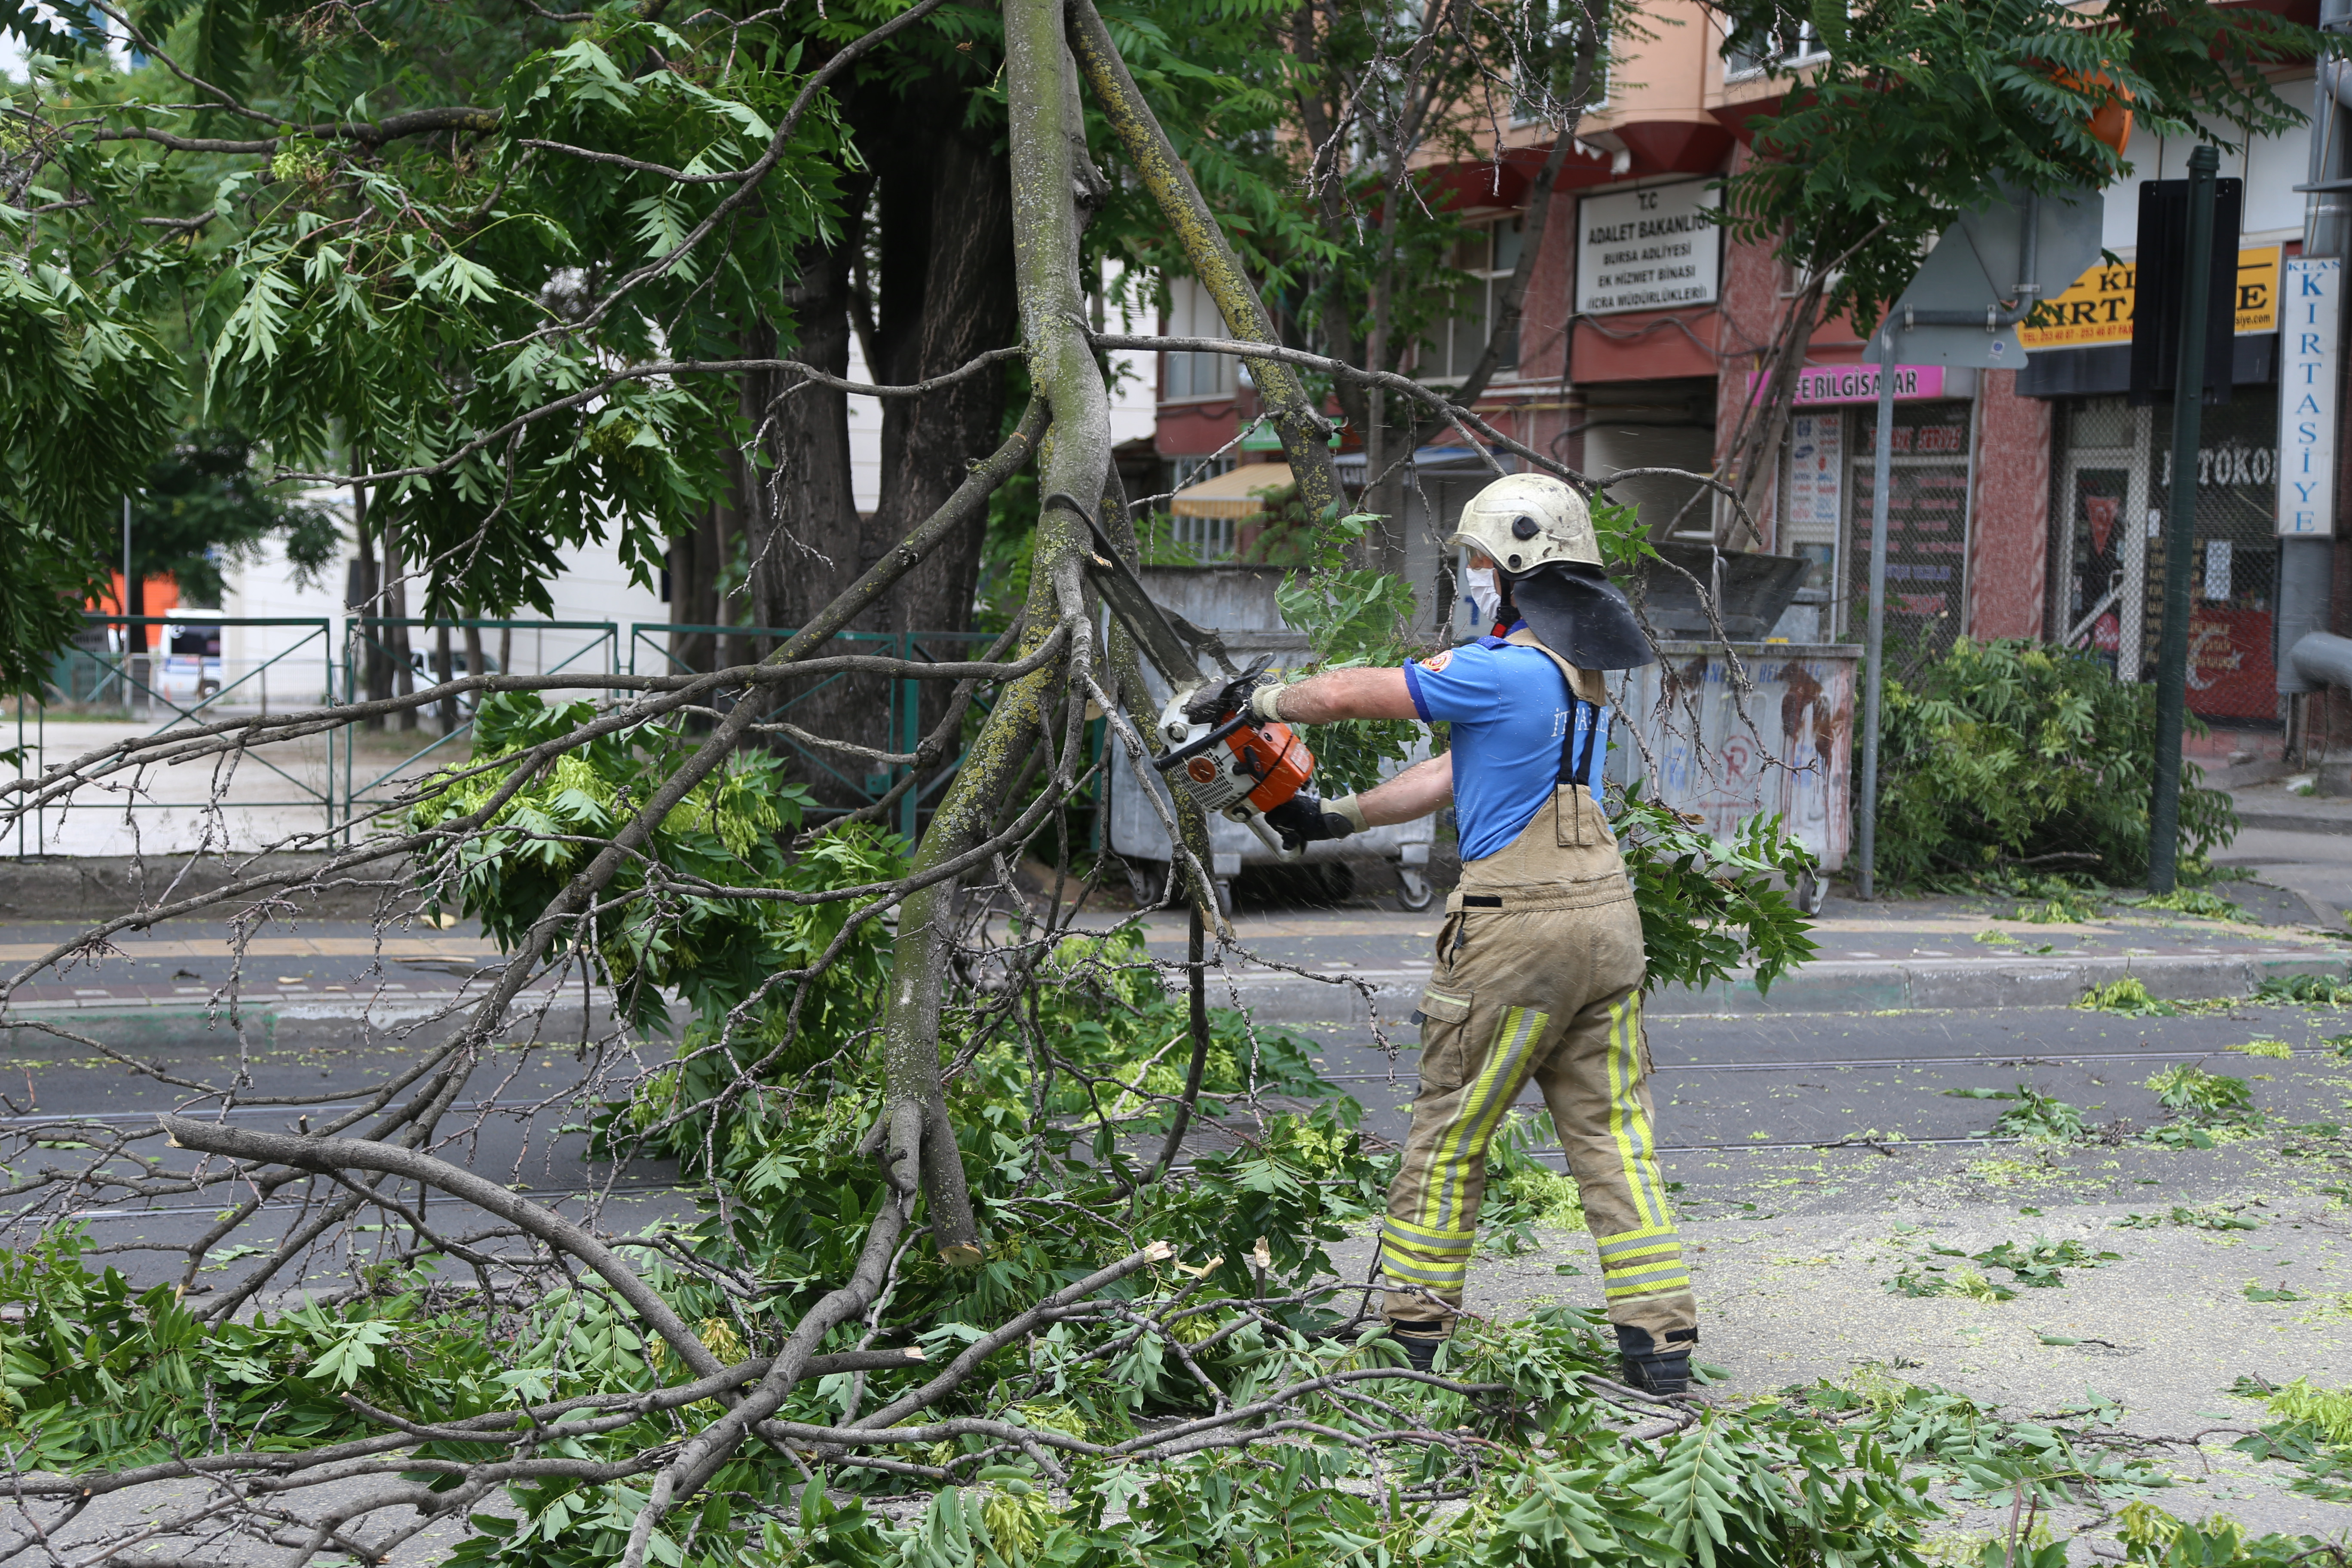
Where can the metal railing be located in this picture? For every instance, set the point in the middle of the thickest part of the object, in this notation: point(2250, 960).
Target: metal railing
point(364, 646)
point(212, 688)
point(142, 681)
point(658, 639)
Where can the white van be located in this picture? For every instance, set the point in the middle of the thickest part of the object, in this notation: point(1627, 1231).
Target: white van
point(190, 669)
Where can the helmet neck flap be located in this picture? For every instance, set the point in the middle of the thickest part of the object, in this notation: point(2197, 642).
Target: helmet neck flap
point(1579, 613)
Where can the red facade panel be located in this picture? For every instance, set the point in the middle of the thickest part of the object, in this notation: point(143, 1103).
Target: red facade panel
point(1193, 429)
point(1644, 346)
point(2008, 564)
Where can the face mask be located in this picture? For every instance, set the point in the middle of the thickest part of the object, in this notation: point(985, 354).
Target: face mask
point(1483, 594)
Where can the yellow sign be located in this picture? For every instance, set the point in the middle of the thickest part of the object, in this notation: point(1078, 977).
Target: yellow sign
point(2098, 308)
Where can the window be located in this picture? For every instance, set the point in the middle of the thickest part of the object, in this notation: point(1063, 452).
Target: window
point(1188, 539)
point(1783, 50)
point(1192, 314)
point(1488, 255)
point(1192, 470)
point(1202, 539)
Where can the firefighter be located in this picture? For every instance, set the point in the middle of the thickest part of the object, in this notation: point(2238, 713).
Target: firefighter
point(1539, 961)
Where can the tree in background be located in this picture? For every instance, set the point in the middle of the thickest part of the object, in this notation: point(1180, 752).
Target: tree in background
point(206, 508)
point(1922, 110)
point(1364, 257)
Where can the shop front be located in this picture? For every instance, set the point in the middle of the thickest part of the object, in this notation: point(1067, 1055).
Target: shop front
point(1828, 495)
point(2113, 480)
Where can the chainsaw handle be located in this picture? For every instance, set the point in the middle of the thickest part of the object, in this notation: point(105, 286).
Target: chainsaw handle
point(1273, 840)
point(1192, 749)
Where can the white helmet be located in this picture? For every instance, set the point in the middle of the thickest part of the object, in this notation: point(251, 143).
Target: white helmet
point(1522, 521)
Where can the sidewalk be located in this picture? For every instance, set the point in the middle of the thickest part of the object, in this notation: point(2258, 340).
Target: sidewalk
point(1339, 966)
point(2302, 842)
point(1898, 954)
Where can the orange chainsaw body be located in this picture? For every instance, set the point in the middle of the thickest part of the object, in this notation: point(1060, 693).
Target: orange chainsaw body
point(1251, 771)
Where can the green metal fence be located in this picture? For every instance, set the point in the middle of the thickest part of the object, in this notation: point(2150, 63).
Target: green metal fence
point(308, 672)
point(365, 640)
point(655, 642)
point(147, 683)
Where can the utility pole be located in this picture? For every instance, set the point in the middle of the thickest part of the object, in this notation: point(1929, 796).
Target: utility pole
point(1874, 654)
point(2310, 373)
point(2180, 524)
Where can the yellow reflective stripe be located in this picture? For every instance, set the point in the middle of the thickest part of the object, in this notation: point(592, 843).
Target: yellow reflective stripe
point(1463, 1141)
point(1620, 1102)
point(1404, 1233)
point(1441, 1261)
point(1619, 1238)
point(1652, 1287)
point(1437, 1275)
point(1631, 1129)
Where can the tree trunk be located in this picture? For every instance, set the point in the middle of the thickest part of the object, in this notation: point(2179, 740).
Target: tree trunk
point(367, 645)
point(803, 530)
point(695, 565)
point(1295, 417)
point(474, 660)
point(395, 606)
point(443, 660)
point(947, 295)
point(1047, 136)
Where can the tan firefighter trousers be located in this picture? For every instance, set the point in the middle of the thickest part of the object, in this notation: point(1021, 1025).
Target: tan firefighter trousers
point(1539, 974)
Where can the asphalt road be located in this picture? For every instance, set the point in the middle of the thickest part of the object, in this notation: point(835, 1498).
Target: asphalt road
point(1812, 1158)
point(1784, 1113)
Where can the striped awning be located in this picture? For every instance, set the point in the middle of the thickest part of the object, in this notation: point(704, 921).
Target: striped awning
point(1229, 494)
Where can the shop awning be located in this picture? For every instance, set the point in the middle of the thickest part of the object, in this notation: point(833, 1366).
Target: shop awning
point(1228, 494)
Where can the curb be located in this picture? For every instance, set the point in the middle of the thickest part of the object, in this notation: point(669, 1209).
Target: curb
point(1854, 986)
point(2294, 822)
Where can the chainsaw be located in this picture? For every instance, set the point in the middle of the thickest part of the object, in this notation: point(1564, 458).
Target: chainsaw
point(1248, 769)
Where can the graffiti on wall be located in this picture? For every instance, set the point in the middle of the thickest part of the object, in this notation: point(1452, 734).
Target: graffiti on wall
point(1787, 748)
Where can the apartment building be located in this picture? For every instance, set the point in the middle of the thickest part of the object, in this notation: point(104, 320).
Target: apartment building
point(2023, 499)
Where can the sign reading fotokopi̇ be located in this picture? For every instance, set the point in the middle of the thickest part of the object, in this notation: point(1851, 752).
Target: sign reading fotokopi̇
point(2098, 308)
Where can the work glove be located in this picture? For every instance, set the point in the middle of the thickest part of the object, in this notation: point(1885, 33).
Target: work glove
point(1302, 819)
point(1213, 703)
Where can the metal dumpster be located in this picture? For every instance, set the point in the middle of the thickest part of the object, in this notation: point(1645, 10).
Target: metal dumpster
point(1792, 753)
point(1237, 602)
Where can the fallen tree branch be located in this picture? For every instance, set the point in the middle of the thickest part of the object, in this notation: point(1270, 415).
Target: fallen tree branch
point(330, 1155)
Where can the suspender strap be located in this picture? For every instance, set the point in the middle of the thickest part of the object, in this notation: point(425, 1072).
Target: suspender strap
point(1592, 740)
point(1576, 762)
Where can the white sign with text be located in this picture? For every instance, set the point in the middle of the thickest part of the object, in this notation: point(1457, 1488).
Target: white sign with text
point(1648, 250)
point(2311, 292)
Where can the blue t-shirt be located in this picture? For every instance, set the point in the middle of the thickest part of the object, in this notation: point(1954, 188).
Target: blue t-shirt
point(1509, 707)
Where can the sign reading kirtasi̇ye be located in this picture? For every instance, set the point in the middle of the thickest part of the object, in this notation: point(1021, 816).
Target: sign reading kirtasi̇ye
point(1652, 249)
point(2314, 287)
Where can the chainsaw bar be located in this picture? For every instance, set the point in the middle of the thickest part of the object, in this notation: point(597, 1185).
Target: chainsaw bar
point(1173, 644)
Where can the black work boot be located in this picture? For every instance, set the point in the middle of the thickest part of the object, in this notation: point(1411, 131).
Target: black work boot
point(1419, 1341)
point(1654, 1368)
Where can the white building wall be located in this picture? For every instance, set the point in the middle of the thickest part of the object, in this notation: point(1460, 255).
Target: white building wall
point(2272, 167)
point(593, 584)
